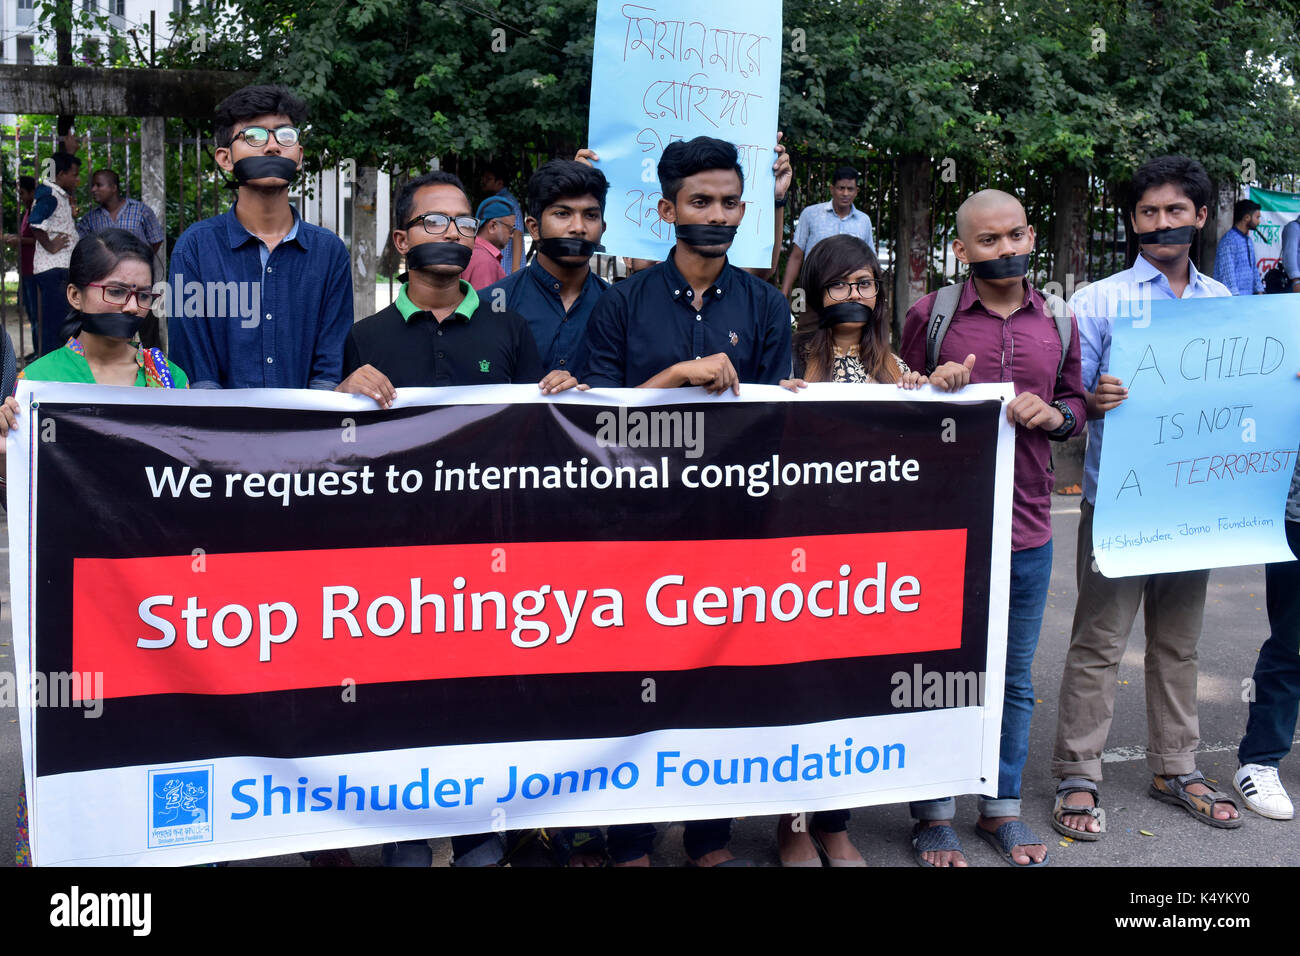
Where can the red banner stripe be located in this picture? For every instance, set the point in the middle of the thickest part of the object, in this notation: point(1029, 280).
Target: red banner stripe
point(267, 621)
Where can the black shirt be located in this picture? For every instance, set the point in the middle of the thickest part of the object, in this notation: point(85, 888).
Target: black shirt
point(472, 346)
point(647, 323)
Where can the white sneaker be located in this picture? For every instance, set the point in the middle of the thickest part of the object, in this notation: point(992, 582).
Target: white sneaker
point(1260, 787)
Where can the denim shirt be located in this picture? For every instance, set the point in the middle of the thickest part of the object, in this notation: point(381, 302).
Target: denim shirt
point(243, 317)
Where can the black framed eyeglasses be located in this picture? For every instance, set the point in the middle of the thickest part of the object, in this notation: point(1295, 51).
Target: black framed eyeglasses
point(121, 295)
point(436, 223)
point(842, 289)
point(257, 136)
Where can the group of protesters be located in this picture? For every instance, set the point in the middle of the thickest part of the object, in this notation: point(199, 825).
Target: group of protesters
point(694, 319)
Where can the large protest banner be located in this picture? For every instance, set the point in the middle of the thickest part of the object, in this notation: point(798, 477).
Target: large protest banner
point(1276, 209)
point(298, 622)
point(666, 70)
point(1197, 461)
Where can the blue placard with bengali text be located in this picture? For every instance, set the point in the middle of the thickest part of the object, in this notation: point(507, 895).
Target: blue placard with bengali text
point(1197, 461)
point(665, 70)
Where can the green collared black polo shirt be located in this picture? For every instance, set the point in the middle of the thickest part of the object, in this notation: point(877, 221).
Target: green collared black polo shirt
point(472, 346)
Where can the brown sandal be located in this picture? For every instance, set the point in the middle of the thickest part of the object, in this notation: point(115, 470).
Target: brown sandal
point(1063, 790)
point(1200, 805)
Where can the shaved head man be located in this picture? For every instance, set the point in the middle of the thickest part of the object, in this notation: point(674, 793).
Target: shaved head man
point(1003, 330)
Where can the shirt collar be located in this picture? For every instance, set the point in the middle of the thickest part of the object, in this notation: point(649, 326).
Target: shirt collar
point(970, 295)
point(493, 251)
point(467, 307)
point(853, 210)
point(679, 290)
point(55, 188)
point(550, 282)
point(238, 235)
point(1144, 271)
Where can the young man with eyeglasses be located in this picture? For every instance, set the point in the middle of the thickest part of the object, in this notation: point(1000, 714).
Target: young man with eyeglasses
point(439, 331)
point(259, 298)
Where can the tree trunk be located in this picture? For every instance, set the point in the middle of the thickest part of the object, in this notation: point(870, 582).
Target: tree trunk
point(912, 238)
point(365, 257)
point(1218, 222)
point(1070, 230)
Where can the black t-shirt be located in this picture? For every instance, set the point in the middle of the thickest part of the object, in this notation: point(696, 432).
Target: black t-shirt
point(487, 348)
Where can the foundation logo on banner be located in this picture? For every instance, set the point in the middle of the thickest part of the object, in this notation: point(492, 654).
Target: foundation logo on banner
point(180, 806)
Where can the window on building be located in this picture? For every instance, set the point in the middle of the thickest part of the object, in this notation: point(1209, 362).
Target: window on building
point(25, 9)
point(24, 53)
point(117, 7)
point(89, 6)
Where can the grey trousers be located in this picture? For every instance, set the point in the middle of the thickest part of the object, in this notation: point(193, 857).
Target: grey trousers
point(1174, 606)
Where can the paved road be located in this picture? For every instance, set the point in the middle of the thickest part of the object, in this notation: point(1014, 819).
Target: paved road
point(1235, 626)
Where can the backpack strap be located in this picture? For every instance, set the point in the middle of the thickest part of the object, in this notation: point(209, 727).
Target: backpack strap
point(1061, 312)
point(945, 304)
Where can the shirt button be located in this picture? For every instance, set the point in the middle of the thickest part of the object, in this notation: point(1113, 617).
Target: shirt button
point(440, 331)
point(439, 354)
point(697, 357)
point(268, 316)
point(699, 318)
point(676, 293)
point(561, 363)
point(269, 269)
point(269, 360)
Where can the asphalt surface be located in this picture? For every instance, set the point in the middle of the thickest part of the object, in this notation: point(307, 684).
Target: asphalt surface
point(1142, 832)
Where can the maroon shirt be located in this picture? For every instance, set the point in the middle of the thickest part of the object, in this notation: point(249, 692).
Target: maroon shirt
point(1024, 349)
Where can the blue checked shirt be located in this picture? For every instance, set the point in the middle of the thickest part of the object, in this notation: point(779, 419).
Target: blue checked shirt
point(133, 216)
point(1234, 264)
point(820, 222)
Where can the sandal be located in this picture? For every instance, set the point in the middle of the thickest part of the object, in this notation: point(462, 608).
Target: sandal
point(926, 839)
point(1064, 789)
point(1199, 805)
point(1012, 834)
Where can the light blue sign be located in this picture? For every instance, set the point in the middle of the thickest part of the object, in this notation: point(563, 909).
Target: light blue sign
point(1197, 461)
point(665, 70)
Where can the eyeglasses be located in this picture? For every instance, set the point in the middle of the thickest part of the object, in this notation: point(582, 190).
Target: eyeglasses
point(121, 295)
point(257, 136)
point(842, 290)
point(436, 223)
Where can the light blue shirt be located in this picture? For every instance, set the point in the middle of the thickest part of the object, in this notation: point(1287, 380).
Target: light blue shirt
point(1124, 295)
point(265, 253)
point(820, 222)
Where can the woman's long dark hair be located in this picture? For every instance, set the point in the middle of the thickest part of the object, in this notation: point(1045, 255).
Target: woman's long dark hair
point(832, 259)
point(94, 258)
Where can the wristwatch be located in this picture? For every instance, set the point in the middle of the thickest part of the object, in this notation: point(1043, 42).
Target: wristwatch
point(1067, 426)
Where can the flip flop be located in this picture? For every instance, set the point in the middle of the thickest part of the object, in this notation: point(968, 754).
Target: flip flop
point(1012, 834)
point(926, 839)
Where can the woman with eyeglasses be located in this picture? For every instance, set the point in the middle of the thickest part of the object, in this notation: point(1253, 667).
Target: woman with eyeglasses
point(843, 329)
point(842, 336)
point(110, 291)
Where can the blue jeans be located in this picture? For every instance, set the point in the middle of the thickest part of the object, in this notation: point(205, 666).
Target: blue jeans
point(1031, 573)
point(1273, 712)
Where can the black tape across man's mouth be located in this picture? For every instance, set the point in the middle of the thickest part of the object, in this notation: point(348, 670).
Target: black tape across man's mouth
point(1004, 267)
point(1178, 236)
point(265, 167)
point(701, 236)
point(842, 312)
point(115, 325)
point(438, 254)
point(568, 247)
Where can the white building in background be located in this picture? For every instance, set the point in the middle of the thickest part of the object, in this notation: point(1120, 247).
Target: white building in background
point(23, 41)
